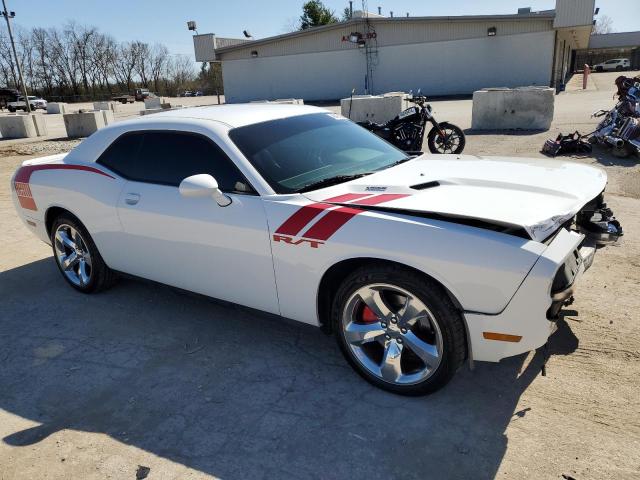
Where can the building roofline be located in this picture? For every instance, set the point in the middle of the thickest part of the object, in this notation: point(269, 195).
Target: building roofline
point(544, 15)
point(614, 33)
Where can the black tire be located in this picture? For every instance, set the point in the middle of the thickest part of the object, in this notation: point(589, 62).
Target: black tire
point(11, 109)
point(619, 68)
point(599, 69)
point(433, 296)
point(101, 276)
point(449, 129)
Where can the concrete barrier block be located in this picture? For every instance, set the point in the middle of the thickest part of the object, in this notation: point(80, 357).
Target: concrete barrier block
point(39, 121)
point(289, 101)
point(150, 103)
point(525, 108)
point(83, 124)
point(375, 108)
point(113, 106)
point(22, 126)
point(56, 107)
point(149, 111)
point(107, 116)
point(283, 101)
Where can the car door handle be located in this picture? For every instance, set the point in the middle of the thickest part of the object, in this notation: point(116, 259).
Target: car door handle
point(132, 198)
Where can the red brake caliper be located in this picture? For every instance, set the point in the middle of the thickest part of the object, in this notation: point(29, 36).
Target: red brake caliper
point(367, 315)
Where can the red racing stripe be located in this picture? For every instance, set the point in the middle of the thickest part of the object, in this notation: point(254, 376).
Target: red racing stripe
point(301, 218)
point(24, 174)
point(21, 181)
point(378, 199)
point(331, 223)
point(347, 197)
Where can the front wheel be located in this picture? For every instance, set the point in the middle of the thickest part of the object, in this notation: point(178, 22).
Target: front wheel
point(398, 329)
point(448, 139)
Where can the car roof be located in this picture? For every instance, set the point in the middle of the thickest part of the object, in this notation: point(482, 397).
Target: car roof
point(239, 114)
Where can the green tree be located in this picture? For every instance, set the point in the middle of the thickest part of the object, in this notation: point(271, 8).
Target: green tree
point(314, 14)
point(346, 14)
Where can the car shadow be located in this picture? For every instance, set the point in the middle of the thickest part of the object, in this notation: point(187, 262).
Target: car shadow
point(235, 393)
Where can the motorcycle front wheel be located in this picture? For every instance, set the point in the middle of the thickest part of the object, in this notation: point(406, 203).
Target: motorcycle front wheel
point(448, 139)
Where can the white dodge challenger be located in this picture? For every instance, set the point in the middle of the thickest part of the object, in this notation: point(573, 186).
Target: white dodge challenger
point(414, 263)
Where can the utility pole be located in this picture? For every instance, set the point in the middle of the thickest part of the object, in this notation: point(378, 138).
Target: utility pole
point(7, 15)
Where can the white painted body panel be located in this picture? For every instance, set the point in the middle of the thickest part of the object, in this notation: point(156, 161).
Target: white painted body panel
point(502, 282)
point(194, 244)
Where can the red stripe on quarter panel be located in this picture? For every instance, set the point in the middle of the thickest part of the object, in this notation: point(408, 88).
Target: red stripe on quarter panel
point(24, 173)
point(21, 180)
point(385, 197)
point(347, 197)
point(28, 203)
point(301, 218)
point(331, 223)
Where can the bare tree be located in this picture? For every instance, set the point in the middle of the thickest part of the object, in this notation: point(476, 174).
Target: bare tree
point(143, 61)
point(604, 24)
point(79, 60)
point(125, 64)
point(181, 71)
point(159, 61)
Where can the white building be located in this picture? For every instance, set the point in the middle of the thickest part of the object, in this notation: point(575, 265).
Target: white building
point(439, 55)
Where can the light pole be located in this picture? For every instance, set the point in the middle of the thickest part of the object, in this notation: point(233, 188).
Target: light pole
point(7, 15)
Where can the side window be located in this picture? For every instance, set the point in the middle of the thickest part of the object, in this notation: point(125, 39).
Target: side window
point(169, 157)
point(120, 156)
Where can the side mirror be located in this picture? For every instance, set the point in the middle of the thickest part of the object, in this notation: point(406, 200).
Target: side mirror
point(203, 185)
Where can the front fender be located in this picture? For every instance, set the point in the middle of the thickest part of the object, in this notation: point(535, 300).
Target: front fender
point(482, 269)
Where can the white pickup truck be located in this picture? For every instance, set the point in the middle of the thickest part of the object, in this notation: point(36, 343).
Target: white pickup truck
point(34, 103)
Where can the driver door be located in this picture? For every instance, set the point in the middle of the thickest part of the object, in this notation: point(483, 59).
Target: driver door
point(194, 243)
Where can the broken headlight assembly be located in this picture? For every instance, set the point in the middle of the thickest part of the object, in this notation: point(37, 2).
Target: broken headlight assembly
point(597, 223)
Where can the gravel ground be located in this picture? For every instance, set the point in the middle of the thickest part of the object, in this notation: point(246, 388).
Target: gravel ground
point(94, 386)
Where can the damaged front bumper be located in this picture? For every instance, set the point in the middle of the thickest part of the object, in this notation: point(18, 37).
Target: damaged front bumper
point(531, 315)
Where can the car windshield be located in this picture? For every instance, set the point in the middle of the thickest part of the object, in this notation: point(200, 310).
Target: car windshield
point(296, 153)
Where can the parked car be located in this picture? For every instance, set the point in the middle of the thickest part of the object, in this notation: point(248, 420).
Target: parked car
point(615, 64)
point(34, 103)
point(414, 263)
point(198, 94)
point(141, 93)
point(124, 98)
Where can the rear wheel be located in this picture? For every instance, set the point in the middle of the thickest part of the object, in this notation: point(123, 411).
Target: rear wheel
point(398, 330)
point(11, 109)
point(77, 256)
point(449, 139)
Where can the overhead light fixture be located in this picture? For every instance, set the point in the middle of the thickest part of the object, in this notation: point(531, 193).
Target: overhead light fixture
point(191, 25)
point(492, 31)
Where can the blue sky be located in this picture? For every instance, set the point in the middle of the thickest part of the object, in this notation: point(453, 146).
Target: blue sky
point(164, 21)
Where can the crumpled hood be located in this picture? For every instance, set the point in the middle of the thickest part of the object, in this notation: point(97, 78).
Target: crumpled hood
point(537, 195)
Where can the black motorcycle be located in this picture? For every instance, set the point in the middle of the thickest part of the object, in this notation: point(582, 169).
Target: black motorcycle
point(406, 131)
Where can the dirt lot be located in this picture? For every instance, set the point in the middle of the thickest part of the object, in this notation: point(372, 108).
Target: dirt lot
point(94, 386)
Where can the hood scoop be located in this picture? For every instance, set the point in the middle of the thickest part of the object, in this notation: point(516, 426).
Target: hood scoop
point(424, 186)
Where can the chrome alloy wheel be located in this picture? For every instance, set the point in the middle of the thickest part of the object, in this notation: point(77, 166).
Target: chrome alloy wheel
point(72, 255)
point(392, 334)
